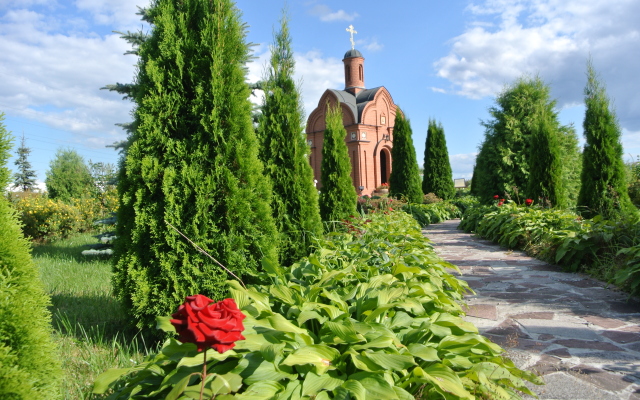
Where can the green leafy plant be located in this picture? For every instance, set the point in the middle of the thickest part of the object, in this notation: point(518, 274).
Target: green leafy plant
point(606, 249)
point(433, 213)
point(374, 314)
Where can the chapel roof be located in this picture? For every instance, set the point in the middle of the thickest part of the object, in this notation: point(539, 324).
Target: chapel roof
point(358, 102)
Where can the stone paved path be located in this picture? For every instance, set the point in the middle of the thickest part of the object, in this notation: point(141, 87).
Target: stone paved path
point(582, 337)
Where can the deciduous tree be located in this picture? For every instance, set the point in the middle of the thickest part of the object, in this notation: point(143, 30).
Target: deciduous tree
point(68, 176)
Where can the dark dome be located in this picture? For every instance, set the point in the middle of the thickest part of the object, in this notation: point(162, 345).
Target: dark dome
point(352, 53)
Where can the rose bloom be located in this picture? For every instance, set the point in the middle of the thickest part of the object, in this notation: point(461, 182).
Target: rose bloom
point(528, 202)
point(207, 324)
point(496, 197)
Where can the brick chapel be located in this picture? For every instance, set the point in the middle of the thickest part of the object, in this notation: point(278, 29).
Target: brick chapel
point(368, 116)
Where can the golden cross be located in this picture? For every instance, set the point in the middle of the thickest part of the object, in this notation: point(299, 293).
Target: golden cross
point(352, 31)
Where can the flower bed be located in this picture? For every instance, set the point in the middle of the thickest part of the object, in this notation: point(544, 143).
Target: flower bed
point(373, 314)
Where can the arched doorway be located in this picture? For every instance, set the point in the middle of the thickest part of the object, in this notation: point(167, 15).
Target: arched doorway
point(384, 169)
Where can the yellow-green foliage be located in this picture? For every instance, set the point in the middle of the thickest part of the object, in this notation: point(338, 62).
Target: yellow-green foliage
point(44, 218)
point(28, 363)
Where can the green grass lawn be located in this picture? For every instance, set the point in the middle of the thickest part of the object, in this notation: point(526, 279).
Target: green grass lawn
point(89, 326)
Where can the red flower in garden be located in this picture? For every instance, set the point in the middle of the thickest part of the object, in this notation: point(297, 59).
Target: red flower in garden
point(207, 324)
point(496, 197)
point(528, 202)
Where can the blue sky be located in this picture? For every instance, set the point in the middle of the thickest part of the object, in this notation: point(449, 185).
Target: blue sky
point(442, 60)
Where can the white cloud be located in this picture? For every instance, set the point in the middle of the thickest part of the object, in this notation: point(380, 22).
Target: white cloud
point(118, 13)
point(631, 143)
point(317, 74)
point(462, 165)
point(437, 90)
point(370, 44)
point(327, 15)
point(313, 72)
point(552, 38)
point(56, 78)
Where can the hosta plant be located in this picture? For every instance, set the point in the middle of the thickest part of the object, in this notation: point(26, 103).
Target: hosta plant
point(374, 314)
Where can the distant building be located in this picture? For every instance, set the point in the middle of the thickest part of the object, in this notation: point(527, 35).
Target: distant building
point(368, 116)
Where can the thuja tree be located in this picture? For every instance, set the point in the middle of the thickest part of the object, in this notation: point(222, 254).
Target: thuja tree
point(545, 163)
point(284, 152)
point(404, 181)
point(29, 366)
point(337, 196)
point(25, 178)
point(603, 189)
point(68, 176)
point(192, 163)
point(502, 164)
point(437, 177)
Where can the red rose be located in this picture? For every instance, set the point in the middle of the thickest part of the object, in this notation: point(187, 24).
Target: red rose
point(207, 324)
point(496, 197)
point(528, 202)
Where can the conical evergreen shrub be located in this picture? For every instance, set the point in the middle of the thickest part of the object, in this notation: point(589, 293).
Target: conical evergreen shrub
point(545, 163)
point(437, 178)
point(604, 190)
point(284, 152)
point(192, 162)
point(29, 366)
point(404, 181)
point(338, 197)
point(502, 164)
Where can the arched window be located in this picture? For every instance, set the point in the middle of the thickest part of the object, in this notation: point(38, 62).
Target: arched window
point(361, 72)
point(347, 74)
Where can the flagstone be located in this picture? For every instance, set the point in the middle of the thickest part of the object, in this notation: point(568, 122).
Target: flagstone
point(622, 337)
point(486, 311)
point(609, 323)
point(587, 344)
point(561, 352)
point(533, 315)
point(603, 379)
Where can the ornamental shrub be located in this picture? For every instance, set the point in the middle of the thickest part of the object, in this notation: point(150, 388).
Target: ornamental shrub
point(284, 152)
point(192, 162)
point(46, 219)
point(373, 314)
point(29, 365)
point(603, 189)
point(337, 196)
point(545, 163)
point(404, 180)
point(503, 165)
point(437, 178)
